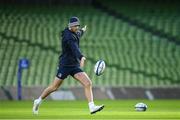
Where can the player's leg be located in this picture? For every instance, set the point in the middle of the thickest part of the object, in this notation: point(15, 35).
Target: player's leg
point(87, 84)
point(83, 78)
point(51, 88)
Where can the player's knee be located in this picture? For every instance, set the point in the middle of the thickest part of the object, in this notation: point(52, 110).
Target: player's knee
point(54, 88)
point(88, 83)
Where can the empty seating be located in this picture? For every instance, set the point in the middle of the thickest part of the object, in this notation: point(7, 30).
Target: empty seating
point(134, 57)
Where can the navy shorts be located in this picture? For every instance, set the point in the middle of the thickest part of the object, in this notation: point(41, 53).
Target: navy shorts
point(64, 71)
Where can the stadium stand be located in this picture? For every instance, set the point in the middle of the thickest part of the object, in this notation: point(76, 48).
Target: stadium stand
point(162, 16)
point(134, 57)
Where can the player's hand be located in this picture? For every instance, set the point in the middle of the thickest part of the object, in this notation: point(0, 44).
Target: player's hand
point(82, 61)
point(84, 28)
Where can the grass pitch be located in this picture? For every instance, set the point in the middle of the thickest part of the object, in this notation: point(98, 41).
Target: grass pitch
point(78, 110)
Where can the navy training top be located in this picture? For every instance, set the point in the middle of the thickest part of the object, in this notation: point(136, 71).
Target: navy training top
point(71, 54)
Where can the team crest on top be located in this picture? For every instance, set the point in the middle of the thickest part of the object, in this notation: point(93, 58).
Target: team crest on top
point(59, 75)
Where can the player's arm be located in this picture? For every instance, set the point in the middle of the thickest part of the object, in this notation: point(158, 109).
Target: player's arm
point(84, 28)
point(81, 31)
point(76, 51)
point(82, 61)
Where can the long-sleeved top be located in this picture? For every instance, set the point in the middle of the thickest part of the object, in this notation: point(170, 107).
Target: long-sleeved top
point(71, 54)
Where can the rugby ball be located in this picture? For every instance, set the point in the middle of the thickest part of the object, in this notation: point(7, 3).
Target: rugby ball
point(99, 67)
point(140, 107)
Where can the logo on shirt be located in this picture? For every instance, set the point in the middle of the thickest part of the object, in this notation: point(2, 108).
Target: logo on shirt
point(60, 75)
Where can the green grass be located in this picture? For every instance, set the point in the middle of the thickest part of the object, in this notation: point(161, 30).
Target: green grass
point(71, 110)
